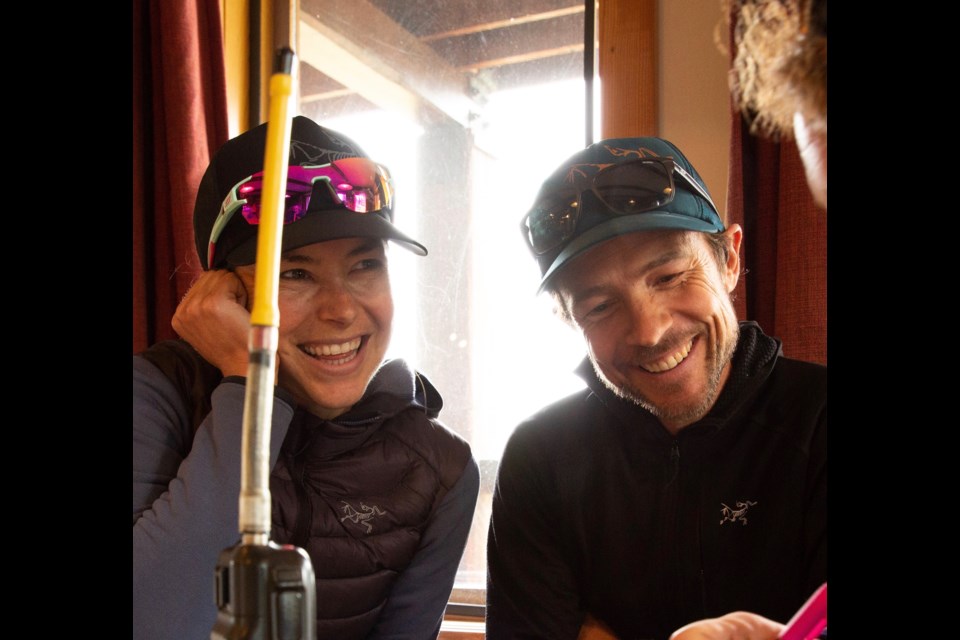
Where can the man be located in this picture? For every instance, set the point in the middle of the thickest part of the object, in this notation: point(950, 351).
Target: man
point(688, 480)
point(778, 76)
point(364, 476)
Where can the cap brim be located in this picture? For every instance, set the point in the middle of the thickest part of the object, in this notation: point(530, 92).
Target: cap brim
point(618, 226)
point(320, 226)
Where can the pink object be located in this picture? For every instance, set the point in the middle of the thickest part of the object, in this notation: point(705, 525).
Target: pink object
point(810, 620)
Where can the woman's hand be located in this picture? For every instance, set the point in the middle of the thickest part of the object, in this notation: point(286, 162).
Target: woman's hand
point(214, 319)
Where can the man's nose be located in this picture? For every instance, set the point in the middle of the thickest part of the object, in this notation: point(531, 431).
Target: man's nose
point(649, 321)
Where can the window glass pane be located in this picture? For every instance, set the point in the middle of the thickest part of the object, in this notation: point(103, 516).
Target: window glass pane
point(470, 105)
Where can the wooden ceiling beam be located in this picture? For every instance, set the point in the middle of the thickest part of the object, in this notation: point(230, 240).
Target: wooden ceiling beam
point(501, 24)
point(428, 17)
point(383, 62)
point(522, 57)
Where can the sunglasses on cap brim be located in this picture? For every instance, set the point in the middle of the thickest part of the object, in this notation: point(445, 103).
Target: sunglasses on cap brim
point(355, 184)
point(627, 188)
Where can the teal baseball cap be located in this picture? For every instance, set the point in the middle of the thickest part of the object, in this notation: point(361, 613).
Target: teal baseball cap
point(611, 188)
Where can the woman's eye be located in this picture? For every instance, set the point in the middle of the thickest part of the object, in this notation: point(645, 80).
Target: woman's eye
point(293, 274)
point(368, 264)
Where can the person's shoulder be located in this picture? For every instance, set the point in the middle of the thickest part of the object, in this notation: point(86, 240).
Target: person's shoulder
point(553, 441)
point(148, 374)
point(795, 393)
point(175, 365)
point(180, 363)
point(431, 439)
point(812, 373)
point(562, 417)
point(802, 365)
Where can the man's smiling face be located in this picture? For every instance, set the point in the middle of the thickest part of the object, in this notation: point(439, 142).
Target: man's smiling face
point(655, 310)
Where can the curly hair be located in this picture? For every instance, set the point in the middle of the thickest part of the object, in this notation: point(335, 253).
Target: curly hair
point(780, 66)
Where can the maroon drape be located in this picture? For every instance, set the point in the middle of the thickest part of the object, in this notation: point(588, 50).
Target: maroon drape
point(179, 120)
point(785, 244)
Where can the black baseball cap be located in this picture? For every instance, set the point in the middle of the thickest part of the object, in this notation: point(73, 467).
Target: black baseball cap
point(242, 157)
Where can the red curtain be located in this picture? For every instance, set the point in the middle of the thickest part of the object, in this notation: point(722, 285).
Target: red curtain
point(179, 120)
point(785, 244)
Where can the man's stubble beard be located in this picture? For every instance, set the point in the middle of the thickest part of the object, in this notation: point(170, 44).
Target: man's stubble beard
point(690, 413)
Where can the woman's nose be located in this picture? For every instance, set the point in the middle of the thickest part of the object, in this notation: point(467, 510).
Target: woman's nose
point(334, 303)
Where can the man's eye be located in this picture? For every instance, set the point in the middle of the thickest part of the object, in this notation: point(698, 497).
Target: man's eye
point(667, 279)
point(592, 312)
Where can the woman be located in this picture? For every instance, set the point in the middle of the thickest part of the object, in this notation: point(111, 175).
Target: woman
point(363, 476)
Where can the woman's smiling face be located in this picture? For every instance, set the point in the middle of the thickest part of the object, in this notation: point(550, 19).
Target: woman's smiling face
point(336, 314)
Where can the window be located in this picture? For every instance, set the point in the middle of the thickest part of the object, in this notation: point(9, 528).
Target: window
point(470, 106)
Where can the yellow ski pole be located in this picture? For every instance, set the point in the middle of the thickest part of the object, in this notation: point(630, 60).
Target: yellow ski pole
point(265, 591)
point(265, 319)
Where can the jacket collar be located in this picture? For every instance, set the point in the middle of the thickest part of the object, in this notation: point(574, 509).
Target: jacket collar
point(752, 363)
point(396, 387)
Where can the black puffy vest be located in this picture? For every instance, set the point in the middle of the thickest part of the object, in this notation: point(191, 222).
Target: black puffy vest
point(356, 493)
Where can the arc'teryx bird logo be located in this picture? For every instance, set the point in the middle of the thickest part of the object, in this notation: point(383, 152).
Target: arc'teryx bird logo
point(363, 516)
point(739, 514)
